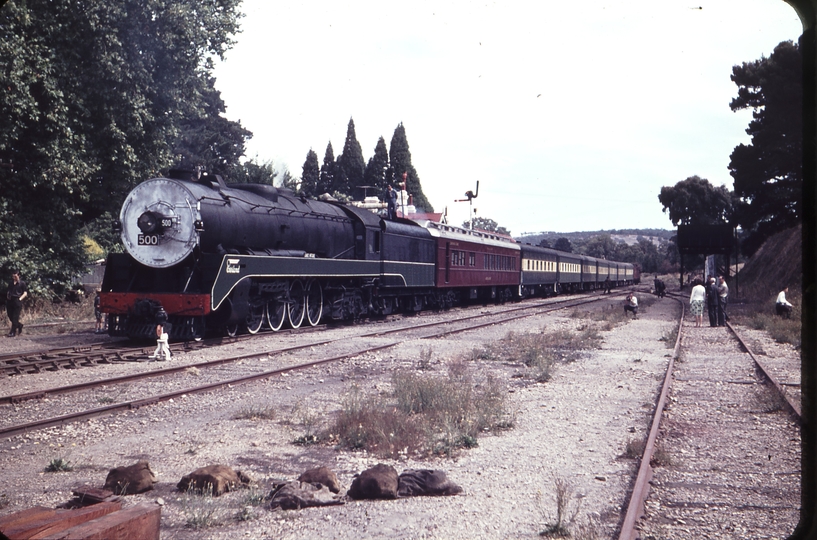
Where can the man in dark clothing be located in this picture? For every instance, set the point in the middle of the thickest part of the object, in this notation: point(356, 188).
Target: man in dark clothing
point(391, 200)
point(607, 285)
point(712, 301)
point(723, 300)
point(17, 292)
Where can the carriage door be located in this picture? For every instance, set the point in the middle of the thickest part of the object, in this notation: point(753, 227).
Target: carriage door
point(447, 262)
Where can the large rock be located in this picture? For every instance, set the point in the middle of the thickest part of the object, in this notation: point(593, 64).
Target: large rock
point(297, 495)
point(136, 478)
point(413, 482)
point(379, 482)
point(323, 476)
point(213, 479)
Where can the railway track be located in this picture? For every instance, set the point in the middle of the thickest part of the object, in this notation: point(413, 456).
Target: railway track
point(79, 356)
point(415, 331)
point(636, 508)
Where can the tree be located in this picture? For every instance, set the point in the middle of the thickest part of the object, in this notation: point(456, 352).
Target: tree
point(210, 141)
point(401, 163)
point(768, 172)
point(311, 175)
point(329, 170)
point(486, 224)
point(601, 246)
point(95, 98)
point(377, 167)
point(695, 201)
point(544, 243)
point(563, 244)
point(350, 163)
point(253, 172)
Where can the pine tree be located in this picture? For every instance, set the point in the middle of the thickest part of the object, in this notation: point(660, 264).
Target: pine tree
point(377, 168)
point(400, 163)
point(311, 175)
point(326, 182)
point(351, 164)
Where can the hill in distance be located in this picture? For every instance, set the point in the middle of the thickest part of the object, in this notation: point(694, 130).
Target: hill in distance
point(628, 236)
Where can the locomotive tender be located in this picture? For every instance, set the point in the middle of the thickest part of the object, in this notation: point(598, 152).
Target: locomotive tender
point(229, 258)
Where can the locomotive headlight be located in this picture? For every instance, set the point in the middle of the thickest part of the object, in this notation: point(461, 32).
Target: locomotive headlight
point(149, 223)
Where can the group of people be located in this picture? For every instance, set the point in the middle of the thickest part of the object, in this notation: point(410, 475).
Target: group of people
point(715, 296)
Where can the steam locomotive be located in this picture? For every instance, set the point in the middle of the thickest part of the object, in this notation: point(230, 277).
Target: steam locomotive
point(224, 258)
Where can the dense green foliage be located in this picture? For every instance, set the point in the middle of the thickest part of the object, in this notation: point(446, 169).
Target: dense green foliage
point(351, 165)
point(97, 96)
point(401, 163)
point(310, 174)
point(486, 224)
point(768, 172)
point(695, 201)
point(377, 167)
point(563, 244)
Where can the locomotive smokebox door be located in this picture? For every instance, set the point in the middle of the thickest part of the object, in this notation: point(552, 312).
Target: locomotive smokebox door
point(159, 222)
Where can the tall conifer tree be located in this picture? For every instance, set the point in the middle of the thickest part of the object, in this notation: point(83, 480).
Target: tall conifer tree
point(326, 182)
point(400, 163)
point(311, 175)
point(377, 168)
point(351, 164)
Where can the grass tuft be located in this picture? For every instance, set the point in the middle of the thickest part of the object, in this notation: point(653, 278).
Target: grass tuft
point(59, 465)
point(425, 413)
point(255, 412)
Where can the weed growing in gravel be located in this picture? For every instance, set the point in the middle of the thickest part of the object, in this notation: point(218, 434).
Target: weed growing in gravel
point(660, 458)
point(426, 413)
point(761, 315)
point(59, 465)
point(308, 419)
point(540, 351)
point(368, 422)
point(779, 329)
point(202, 510)
point(424, 362)
point(255, 412)
point(568, 506)
point(251, 500)
point(634, 448)
point(4, 501)
point(670, 337)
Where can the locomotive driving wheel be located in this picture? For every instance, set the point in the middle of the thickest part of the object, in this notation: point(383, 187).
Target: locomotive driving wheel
point(297, 304)
point(231, 329)
point(276, 314)
point(314, 302)
point(255, 316)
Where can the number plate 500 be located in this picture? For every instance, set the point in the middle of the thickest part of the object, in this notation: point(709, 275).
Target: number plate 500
point(148, 239)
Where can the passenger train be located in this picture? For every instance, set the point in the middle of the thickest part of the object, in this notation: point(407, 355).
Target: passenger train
point(222, 258)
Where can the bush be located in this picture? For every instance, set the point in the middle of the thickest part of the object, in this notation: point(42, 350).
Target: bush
point(426, 413)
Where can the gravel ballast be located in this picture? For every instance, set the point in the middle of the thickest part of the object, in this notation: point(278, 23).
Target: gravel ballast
point(576, 427)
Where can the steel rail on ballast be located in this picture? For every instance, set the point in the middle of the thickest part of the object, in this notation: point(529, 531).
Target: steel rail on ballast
point(135, 404)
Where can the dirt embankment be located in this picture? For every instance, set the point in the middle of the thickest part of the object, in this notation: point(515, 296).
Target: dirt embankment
point(777, 264)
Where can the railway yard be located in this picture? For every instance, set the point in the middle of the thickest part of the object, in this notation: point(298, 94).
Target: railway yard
point(726, 458)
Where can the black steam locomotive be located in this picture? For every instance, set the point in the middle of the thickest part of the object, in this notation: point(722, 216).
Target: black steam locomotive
point(224, 258)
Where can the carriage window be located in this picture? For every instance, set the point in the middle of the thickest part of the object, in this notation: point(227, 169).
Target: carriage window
point(472, 259)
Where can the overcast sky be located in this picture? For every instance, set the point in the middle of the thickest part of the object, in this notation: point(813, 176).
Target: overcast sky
point(572, 115)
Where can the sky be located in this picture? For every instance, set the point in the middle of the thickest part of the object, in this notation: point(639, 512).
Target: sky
point(571, 115)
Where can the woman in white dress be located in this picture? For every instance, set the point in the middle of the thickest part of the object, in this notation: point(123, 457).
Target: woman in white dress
point(696, 302)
